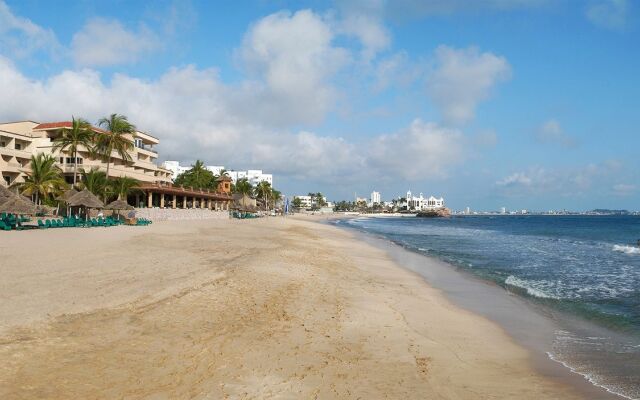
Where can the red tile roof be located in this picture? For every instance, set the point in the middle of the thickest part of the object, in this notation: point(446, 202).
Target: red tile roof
point(64, 124)
point(54, 125)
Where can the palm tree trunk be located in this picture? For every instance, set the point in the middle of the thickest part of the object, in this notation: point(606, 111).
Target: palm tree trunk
point(104, 195)
point(75, 167)
point(37, 198)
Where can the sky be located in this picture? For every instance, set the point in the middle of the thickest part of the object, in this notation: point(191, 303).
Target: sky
point(523, 104)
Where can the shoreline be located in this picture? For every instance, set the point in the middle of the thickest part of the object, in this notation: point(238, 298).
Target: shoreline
point(325, 314)
point(534, 327)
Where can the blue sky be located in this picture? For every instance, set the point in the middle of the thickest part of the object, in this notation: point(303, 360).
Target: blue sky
point(521, 103)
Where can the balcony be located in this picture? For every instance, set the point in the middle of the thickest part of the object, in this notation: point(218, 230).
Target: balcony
point(12, 167)
point(10, 151)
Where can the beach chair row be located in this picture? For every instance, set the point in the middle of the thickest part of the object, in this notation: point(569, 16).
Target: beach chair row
point(143, 222)
point(10, 221)
point(77, 222)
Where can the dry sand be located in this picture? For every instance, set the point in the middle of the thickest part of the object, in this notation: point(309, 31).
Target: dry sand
point(252, 309)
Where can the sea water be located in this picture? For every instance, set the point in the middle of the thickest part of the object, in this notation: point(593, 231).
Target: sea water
point(585, 270)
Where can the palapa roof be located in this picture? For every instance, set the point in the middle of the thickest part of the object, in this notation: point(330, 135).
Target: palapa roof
point(86, 199)
point(17, 205)
point(67, 195)
point(118, 205)
point(5, 194)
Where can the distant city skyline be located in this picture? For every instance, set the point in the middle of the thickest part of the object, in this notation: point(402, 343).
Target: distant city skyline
point(527, 104)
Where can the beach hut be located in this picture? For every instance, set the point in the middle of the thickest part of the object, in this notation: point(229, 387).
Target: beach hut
point(17, 205)
point(6, 194)
point(85, 199)
point(64, 198)
point(118, 205)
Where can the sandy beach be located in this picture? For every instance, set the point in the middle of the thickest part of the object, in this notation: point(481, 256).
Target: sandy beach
point(253, 309)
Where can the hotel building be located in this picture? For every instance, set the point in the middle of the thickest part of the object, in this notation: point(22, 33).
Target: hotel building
point(375, 198)
point(254, 176)
point(422, 203)
point(20, 140)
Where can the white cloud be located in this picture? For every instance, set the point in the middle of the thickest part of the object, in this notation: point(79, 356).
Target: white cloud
point(396, 70)
point(551, 132)
point(423, 151)
point(487, 138)
point(568, 181)
point(293, 57)
point(364, 20)
point(610, 14)
point(105, 42)
point(20, 37)
point(516, 179)
point(623, 189)
point(198, 116)
point(462, 78)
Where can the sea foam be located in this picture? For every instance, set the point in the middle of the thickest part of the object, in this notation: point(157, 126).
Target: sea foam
point(528, 286)
point(626, 249)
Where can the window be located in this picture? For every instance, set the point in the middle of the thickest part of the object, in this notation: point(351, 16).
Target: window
point(61, 160)
point(18, 146)
point(7, 179)
point(70, 160)
point(3, 144)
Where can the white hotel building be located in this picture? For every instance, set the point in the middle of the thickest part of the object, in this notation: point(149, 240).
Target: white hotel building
point(375, 198)
point(254, 176)
point(422, 203)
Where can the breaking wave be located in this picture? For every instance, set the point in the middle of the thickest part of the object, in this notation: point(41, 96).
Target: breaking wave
point(626, 249)
point(529, 286)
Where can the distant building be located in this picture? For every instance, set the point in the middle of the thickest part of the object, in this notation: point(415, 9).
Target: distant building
point(467, 211)
point(216, 169)
point(375, 198)
point(254, 176)
point(309, 202)
point(175, 168)
point(422, 203)
point(503, 210)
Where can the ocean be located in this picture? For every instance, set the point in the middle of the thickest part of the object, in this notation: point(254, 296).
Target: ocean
point(582, 272)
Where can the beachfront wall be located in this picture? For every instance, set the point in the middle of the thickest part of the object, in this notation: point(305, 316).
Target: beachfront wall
point(169, 214)
point(167, 196)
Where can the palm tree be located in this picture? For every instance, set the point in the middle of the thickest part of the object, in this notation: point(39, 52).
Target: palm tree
point(123, 186)
point(70, 139)
point(95, 181)
point(200, 175)
point(263, 189)
point(43, 179)
point(117, 127)
point(276, 196)
point(320, 200)
point(244, 187)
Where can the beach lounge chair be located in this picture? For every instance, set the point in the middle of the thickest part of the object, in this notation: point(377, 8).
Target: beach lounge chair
point(41, 224)
point(4, 226)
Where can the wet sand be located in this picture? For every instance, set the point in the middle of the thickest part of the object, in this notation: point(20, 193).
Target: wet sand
point(252, 309)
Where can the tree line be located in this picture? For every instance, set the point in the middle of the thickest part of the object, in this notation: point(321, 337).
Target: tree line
point(199, 177)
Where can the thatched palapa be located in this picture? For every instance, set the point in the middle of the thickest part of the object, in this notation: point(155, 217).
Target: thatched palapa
point(6, 194)
point(85, 199)
point(17, 205)
point(118, 205)
point(67, 195)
